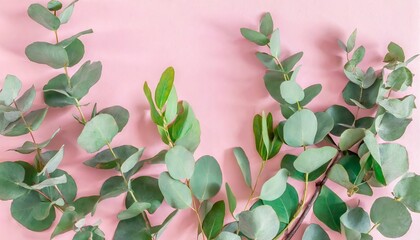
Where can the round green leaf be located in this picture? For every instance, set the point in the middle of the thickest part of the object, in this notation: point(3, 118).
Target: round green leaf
point(394, 161)
point(300, 129)
point(287, 163)
point(75, 52)
point(146, 190)
point(133, 228)
point(11, 175)
point(328, 208)
point(207, 178)
point(260, 223)
point(313, 158)
point(408, 191)
point(47, 53)
point(87, 76)
point(315, 232)
point(180, 163)
point(286, 205)
point(23, 211)
point(41, 15)
point(11, 89)
point(400, 108)
point(356, 219)
point(291, 92)
point(275, 186)
point(275, 47)
point(98, 132)
point(398, 78)
point(350, 137)
point(54, 5)
point(176, 194)
point(343, 118)
point(228, 236)
point(67, 189)
point(392, 216)
point(113, 187)
point(391, 128)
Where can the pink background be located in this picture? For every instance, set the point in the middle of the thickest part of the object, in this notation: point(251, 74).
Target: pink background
point(216, 71)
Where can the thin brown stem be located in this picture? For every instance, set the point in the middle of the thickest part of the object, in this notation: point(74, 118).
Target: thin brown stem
point(196, 211)
point(251, 196)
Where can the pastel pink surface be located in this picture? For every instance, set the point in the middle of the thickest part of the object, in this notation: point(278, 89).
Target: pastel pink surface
point(216, 71)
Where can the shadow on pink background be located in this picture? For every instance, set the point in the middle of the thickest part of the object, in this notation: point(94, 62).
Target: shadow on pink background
point(216, 71)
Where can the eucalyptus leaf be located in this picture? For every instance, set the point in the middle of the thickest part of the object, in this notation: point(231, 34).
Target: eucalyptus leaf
point(291, 92)
point(213, 222)
point(164, 87)
point(350, 137)
point(134, 210)
point(133, 228)
point(275, 43)
point(47, 53)
point(146, 190)
point(300, 129)
point(339, 175)
point(254, 36)
point(342, 118)
point(113, 187)
point(395, 221)
point(120, 114)
point(10, 90)
point(207, 178)
point(391, 128)
point(267, 60)
point(286, 205)
point(290, 62)
point(87, 75)
point(176, 194)
point(180, 163)
point(310, 93)
point(24, 103)
point(50, 182)
point(22, 211)
point(313, 158)
point(328, 208)
point(75, 52)
point(395, 53)
point(408, 192)
point(98, 132)
point(266, 24)
point(130, 162)
point(275, 186)
point(288, 163)
point(356, 219)
point(67, 12)
point(351, 41)
point(53, 163)
point(32, 121)
point(260, 223)
point(41, 15)
point(399, 78)
point(315, 232)
point(325, 123)
point(243, 163)
point(11, 175)
point(228, 236)
point(231, 199)
point(400, 108)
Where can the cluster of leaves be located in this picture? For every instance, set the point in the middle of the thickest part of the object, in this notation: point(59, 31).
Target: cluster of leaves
point(336, 144)
point(358, 162)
